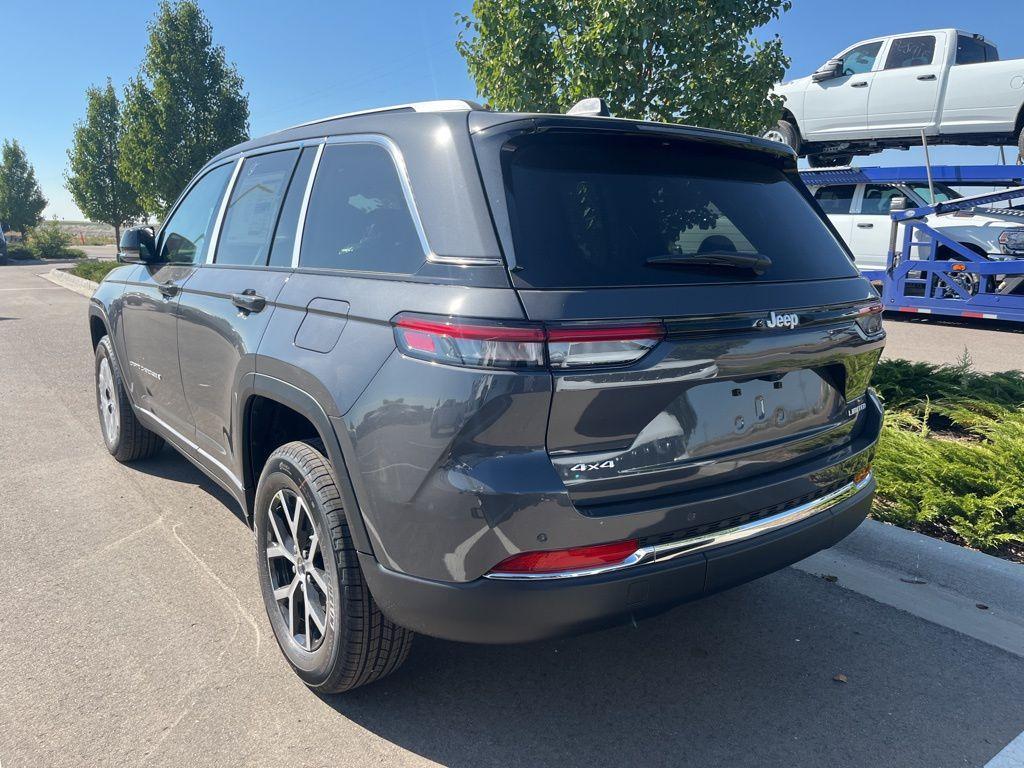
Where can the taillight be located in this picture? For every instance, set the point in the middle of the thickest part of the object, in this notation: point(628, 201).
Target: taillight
point(573, 559)
point(495, 344)
point(869, 319)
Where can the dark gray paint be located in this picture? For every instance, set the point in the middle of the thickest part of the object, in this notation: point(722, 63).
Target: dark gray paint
point(446, 471)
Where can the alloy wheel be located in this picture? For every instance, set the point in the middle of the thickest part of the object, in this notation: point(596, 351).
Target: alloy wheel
point(297, 575)
point(110, 412)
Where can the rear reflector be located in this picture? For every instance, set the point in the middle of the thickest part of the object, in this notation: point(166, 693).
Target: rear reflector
point(568, 559)
point(494, 344)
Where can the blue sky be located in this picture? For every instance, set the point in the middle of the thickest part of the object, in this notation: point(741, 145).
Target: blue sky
point(306, 59)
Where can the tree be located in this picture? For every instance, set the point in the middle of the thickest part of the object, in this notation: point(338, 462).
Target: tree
point(692, 61)
point(185, 105)
point(94, 178)
point(21, 199)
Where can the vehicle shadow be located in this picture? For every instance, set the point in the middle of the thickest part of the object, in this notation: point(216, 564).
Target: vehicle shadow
point(742, 678)
point(171, 465)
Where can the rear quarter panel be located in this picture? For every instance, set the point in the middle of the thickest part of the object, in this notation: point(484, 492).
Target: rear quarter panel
point(983, 98)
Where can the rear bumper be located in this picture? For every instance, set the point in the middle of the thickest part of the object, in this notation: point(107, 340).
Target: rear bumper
point(498, 611)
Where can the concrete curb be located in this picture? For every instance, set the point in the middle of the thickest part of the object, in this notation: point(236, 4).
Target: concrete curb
point(71, 282)
point(970, 592)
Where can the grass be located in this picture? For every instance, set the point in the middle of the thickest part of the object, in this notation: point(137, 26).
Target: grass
point(94, 270)
point(950, 461)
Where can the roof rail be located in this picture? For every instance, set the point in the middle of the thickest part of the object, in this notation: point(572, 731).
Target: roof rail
point(439, 105)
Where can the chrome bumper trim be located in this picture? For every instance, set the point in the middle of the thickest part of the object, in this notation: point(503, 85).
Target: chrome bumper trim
point(659, 553)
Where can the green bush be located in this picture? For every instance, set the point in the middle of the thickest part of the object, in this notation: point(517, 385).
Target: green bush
point(950, 460)
point(94, 270)
point(49, 241)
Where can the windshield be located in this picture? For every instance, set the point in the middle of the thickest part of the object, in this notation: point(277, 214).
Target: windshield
point(943, 193)
point(593, 210)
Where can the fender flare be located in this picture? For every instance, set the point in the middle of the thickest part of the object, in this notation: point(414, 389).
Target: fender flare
point(300, 401)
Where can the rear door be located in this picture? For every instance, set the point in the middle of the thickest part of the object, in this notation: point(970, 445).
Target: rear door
point(755, 372)
point(150, 306)
point(224, 309)
point(905, 93)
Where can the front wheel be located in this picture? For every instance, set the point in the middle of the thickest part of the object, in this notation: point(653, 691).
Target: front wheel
point(784, 132)
point(323, 615)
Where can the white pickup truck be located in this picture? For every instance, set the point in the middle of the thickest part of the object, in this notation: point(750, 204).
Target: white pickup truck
point(881, 93)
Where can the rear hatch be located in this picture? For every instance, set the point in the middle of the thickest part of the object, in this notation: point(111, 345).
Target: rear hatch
point(768, 334)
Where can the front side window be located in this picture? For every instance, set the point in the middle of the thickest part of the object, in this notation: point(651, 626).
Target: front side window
point(252, 210)
point(911, 52)
point(186, 235)
point(943, 193)
point(357, 216)
point(836, 200)
point(861, 59)
point(878, 199)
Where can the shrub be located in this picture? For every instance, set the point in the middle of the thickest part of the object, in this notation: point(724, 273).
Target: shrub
point(94, 270)
point(50, 241)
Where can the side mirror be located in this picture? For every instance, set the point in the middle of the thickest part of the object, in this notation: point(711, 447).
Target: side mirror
point(137, 245)
point(898, 203)
point(830, 69)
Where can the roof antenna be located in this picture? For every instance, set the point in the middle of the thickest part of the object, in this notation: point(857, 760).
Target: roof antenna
point(592, 107)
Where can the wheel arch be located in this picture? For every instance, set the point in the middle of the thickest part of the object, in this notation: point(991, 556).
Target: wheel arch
point(272, 412)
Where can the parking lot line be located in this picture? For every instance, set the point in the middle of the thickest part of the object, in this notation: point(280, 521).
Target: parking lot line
point(1011, 756)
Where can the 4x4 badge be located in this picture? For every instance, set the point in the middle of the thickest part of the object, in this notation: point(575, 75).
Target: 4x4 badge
point(775, 320)
point(609, 464)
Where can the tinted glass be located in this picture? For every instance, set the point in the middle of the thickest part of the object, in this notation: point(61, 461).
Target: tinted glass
point(284, 235)
point(943, 193)
point(836, 199)
point(591, 210)
point(252, 209)
point(186, 236)
point(357, 216)
point(911, 52)
point(970, 50)
point(878, 199)
point(861, 59)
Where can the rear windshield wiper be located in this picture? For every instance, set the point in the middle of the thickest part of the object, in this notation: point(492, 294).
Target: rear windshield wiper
point(757, 262)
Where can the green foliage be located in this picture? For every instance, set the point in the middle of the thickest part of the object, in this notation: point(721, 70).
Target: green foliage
point(21, 199)
point(94, 179)
point(92, 269)
point(904, 384)
point(50, 241)
point(185, 105)
point(696, 62)
point(951, 457)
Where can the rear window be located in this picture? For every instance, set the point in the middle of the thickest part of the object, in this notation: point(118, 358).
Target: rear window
point(589, 211)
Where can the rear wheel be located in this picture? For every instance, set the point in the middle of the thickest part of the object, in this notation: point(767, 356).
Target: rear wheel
point(786, 133)
point(1020, 147)
point(829, 161)
point(323, 615)
point(125, 437)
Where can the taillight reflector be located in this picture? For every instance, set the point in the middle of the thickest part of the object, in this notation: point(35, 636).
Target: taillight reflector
point(573, 559)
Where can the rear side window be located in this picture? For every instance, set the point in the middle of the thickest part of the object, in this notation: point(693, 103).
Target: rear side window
point(186, 235)
point(970, 50)
point(284, 234)
point(253, 207)
point(836, 200)
point(591, 211)
point(911, 52)
point(357, 216)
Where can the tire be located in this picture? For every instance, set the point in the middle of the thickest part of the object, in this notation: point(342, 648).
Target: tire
point(125, 437)
point(829, 161)
point(786, 133)
point(1020, 147)
point(345, 641)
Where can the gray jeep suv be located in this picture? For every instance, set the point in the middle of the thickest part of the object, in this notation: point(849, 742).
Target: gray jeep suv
point(497, 377)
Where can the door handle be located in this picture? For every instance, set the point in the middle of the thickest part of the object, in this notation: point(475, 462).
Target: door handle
point(249, 301)
point(169, 289)
point(926, 77)
point(865, 225)
point(859, 84)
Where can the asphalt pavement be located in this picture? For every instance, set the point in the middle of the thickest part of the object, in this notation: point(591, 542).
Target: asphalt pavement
point(132, 633)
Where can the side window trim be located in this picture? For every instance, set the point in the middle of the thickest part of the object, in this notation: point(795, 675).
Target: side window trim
point(300, 225)
point(211, 250)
